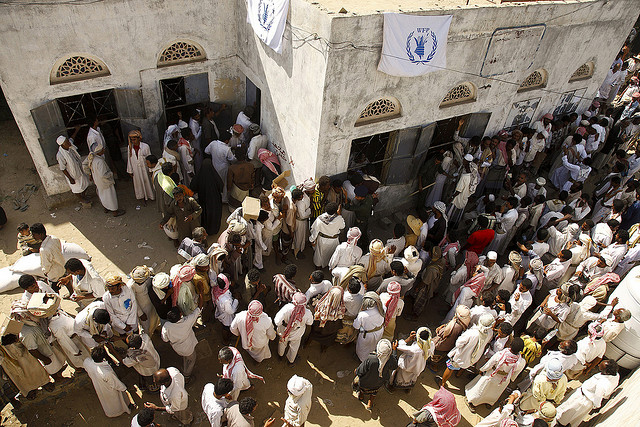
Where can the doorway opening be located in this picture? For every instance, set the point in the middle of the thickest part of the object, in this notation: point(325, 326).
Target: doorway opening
point(253, 99)
point(180, 98)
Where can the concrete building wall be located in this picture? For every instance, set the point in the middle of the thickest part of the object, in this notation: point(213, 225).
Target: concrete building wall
point(292, 83)
point(128, 37)
point(573, 35)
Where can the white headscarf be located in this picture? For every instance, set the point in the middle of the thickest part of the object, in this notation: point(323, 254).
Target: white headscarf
point(169, 132)
point(160, 283)
point(383, 353)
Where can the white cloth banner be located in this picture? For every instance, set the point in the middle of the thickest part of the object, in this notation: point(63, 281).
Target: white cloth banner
point(268, 19)
point(414, 45)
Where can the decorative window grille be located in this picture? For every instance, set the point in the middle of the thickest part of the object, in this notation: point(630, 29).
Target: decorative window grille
point(585, 71)
point(535, 80)
point(181, 52)
point(381, 109)
point(460, 94)
point(76, 68)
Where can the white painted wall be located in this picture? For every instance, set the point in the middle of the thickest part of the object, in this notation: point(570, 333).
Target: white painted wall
point(574, 35)
point(128, 36)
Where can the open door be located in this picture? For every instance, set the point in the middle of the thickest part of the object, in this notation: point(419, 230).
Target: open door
point(475, 125)
point(130, 106)
point(48, 120)
point(424, 142)
point(399, 168)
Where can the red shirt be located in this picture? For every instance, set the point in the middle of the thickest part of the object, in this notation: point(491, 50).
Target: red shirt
point(479, 240)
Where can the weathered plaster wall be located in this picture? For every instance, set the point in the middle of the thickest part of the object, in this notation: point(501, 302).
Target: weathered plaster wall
point(292, 83)
point(574, 35)
point(128, 36)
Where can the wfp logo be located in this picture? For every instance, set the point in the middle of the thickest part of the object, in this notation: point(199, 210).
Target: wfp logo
point(266, 14)
point(421, 47)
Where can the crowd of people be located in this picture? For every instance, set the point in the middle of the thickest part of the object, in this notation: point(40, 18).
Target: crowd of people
point(522, 329)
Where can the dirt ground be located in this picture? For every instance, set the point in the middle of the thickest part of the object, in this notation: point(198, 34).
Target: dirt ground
point(113, 244)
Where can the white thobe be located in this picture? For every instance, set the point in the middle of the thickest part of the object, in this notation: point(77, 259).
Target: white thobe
point(616, 251)
point(368, 320)
point(317, 289)
point(256, 143)
point(344, 257)
point(226, 307)
point(382, 267)
point(62, 326)
point(296, 408)
point(295, 334)
point(518, 306)
point(137, 165)
point(186, 162)
point(601, 234)
point(462, 354)
point(212, 406)
point(326, 238)
point(239, 377)
point(487, 388)
point(123, 309)
point(352, 303)
point(464, 190)
point(81, 325)
point(180, 334)
point(509, 276)
point(255, 232)
point(589, 396)
point(145, 360)
point(262, 333)
point(141, 292)
point(589, 350)
point(221, 157)
point(52, 259)
point(508, 221)
point(391, 326)
point(589, 268)
point(245, 122)
point(303, 212)
point(196, 130)
point(71, 161)
point(89, 284)
point(174, 398)
point(411, 363)
point(109, 388)
point(105, 184)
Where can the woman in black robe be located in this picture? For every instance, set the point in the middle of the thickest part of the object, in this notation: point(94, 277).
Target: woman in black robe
point(208, 185)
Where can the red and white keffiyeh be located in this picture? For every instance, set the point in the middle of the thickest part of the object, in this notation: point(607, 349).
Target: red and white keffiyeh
point(185, 274)
point(393, 289)
point(299, 301)
point(253, 315)
point(227, 370)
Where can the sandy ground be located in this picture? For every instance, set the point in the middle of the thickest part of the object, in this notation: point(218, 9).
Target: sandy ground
point(113, 244)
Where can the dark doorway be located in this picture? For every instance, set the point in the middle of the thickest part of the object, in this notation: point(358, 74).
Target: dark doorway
point(180, 98)
point(253, 99)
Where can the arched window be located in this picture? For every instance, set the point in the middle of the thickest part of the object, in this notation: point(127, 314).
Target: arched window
point(77, 67)
point(381, 109)
point(460, 94)
point(585, 71)
point(180, 52)
point(535, 80)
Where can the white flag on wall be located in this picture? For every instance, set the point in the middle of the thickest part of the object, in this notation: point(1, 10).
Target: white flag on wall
point(268, 19)
point(414, 45)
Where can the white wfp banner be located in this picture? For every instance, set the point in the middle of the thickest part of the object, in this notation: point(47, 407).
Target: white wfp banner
point(414, 45)
point(268, 19)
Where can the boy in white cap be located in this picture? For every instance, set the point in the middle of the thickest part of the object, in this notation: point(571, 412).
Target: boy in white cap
point(537, 188)
point(70, 164)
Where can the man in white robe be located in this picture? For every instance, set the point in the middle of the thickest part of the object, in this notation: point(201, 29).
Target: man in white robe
point(503, 367)
point(618, 249)
point(291, 323)
point(137, 153)
point(178, 331)
point(141, 284)
point(215, 399)
point(298, 404)
point(222, 157)
point(590, 395)
point(325, 234)
point(173, 395)
point(103, 178)
point(110, 390)
point(507, 218)
point(370, 325)
point(70, 164)
point(83, 281)
point(302, 202)
point(121, 304)
point(255, 328)
point(346, 254)
point(92, 324)
point(234, 368)
point(143, 357)
point(62, 327)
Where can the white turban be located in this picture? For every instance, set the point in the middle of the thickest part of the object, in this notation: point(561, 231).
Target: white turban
point(61, 139)
point(492, 255)
point(296, 385)
point(411, 254)
point(160, 282)
point(308, 185)
point(468, 157)
point(541, 181)
point(200, 260)
point(383, 353)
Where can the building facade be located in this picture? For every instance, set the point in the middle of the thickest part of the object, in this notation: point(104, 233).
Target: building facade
point(322, 101)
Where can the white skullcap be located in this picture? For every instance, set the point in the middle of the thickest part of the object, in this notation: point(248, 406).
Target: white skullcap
point(468, 157)
point(61, 139)
point(492, 198)
point(492, 255)
point(585, 123)
point(297, 385)
point(541, 181)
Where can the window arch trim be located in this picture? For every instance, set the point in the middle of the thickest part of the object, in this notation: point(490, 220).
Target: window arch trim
point(536, 80)
point(384, 108)
point(181, 51)
point(460, 94)
point(583, 72)
point(77, 67)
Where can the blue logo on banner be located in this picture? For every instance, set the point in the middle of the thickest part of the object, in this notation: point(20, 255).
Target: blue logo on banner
point(422, 47)
point(266, 14)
